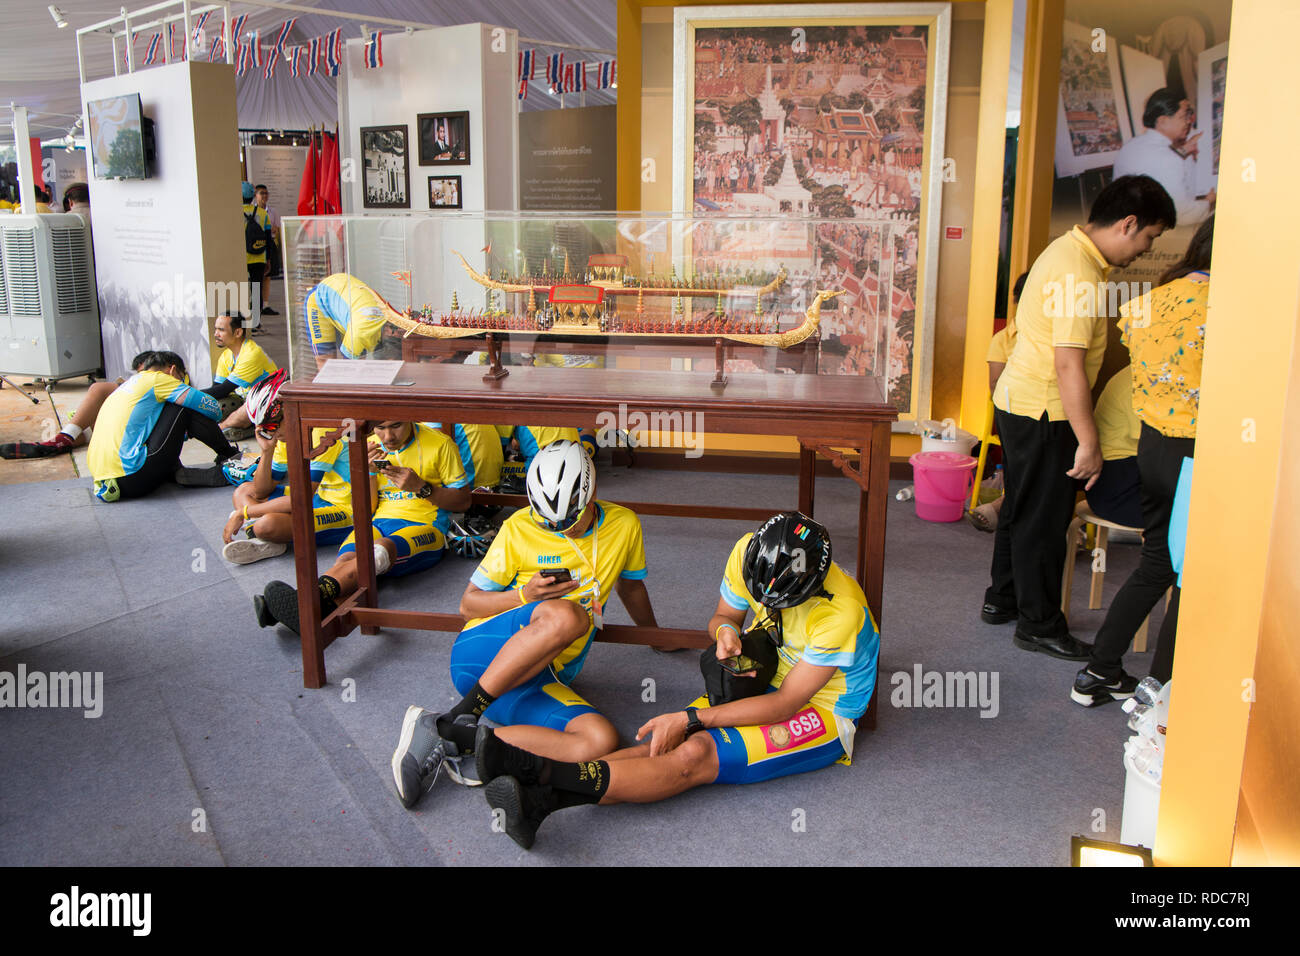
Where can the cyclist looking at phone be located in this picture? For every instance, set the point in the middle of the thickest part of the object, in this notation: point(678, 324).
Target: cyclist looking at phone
point(532, 609)
point(799, 715)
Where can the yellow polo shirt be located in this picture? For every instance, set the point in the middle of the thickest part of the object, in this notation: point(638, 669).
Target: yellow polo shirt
point(1166, 348)
point(1001, 344)
point(1118, 427)
point(1063, 305)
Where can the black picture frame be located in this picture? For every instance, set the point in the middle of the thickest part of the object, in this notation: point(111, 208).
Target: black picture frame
point(439, 204)
point(378, 142)
point(455, 126)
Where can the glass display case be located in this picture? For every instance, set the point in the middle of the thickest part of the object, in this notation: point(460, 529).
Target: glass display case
point(716, 295)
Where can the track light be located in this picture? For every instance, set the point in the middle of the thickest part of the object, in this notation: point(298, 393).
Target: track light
point(57, 15)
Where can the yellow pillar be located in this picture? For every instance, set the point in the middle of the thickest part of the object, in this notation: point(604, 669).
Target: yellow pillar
point(1036, 150)
point(986, 216)
point(1250, 350)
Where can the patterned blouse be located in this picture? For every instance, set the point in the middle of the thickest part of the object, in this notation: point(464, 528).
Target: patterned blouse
point(1165, 334)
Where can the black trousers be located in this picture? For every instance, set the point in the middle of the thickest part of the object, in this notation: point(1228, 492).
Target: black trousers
point(1029, 546)
point(163, 449)
point(1117, 494)
point(1160, 459)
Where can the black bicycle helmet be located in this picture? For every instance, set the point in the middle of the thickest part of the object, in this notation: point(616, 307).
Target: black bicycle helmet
point(786, 561)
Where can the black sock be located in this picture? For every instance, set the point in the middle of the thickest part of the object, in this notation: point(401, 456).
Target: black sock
point(461, 735)
point(330, 589)
point(584, 782)
point(474, 702)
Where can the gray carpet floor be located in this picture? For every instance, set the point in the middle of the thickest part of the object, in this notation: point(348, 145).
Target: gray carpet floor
point(210, 751)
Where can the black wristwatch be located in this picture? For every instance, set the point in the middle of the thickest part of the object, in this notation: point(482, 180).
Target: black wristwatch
point(693, 723)
point(426, 491)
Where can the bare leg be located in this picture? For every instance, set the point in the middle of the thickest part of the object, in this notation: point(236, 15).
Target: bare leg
point(88, 409)
point(647, 779)
point(583, 738)
point(275, 527)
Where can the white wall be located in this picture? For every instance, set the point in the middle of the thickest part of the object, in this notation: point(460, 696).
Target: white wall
point(468, 67)
point(180, 229)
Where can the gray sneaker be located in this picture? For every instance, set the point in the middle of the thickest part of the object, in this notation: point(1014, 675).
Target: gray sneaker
point(421, 754)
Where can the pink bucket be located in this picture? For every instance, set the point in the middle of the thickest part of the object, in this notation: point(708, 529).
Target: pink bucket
point(943, 481)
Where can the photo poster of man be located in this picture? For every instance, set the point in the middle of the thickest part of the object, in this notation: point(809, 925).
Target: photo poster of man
point(387, 178)
point(828, 121)
point(444, 138)
point(1182, 43)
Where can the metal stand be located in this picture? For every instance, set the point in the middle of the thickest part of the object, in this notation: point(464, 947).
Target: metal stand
point(49, 385)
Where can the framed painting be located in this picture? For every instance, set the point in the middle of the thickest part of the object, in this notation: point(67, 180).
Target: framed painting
point(387, 173)
point(836, 114)
point(1211, 81)
point(1092, 120)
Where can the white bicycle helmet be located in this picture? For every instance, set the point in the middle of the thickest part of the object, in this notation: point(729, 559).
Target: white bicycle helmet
point(263, 401)
point(561, 483)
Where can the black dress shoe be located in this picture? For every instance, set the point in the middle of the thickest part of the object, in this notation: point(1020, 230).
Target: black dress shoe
point(992, 614)
point(1063, 646)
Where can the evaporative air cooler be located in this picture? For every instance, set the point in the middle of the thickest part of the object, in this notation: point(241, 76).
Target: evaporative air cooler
point(49, 316)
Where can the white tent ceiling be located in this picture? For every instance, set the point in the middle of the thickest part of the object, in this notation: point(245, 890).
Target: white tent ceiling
point(39, 66)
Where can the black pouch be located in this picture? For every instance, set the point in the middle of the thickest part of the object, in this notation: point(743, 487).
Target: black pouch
point(722, 686)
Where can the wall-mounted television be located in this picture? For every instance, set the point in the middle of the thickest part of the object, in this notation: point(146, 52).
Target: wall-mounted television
point(121, 138)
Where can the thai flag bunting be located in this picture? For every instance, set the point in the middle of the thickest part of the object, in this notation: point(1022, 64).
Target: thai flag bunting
point(197, 35)
point(255, 49)
point(374, 52)
point(334, 51)
point(279, 45)
point(295, 59)
point(126, 52)
point(151, 54)
point(527, 66)
point(176, 54)
point(523, 89)
point(568, 78)
point(243, 58)
point(554, 70)
point(313, 56)
point(607, 76)
point(582, 76)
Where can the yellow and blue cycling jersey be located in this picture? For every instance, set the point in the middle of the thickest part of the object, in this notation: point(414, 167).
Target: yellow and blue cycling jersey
point(329, 470)
point(838, 632)
point(533, 438)
point(552, 360)
point(119, 440)
point(522, 548)
point(434, 457)
point(344, 314)
point(480, 453)
point(250, 367)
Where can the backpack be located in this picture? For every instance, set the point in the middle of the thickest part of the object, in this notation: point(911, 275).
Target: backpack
point(254, 234)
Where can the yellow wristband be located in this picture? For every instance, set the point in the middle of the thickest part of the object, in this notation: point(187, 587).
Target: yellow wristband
point(245, 514)
point(721, 626)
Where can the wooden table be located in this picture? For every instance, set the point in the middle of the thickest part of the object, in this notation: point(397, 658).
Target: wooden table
point(824, 412)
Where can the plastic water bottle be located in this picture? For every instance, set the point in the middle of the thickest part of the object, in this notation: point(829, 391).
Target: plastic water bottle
point(1143, 721)
point(906, 494)
point(1148, 691)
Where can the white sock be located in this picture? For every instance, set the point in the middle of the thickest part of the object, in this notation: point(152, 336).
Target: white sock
point(72, 431)
point(382, 561)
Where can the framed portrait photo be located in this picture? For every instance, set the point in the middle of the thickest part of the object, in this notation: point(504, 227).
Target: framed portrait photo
point(445, 192)
point(833, 113)
point(386, 183)
point(444, 138)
